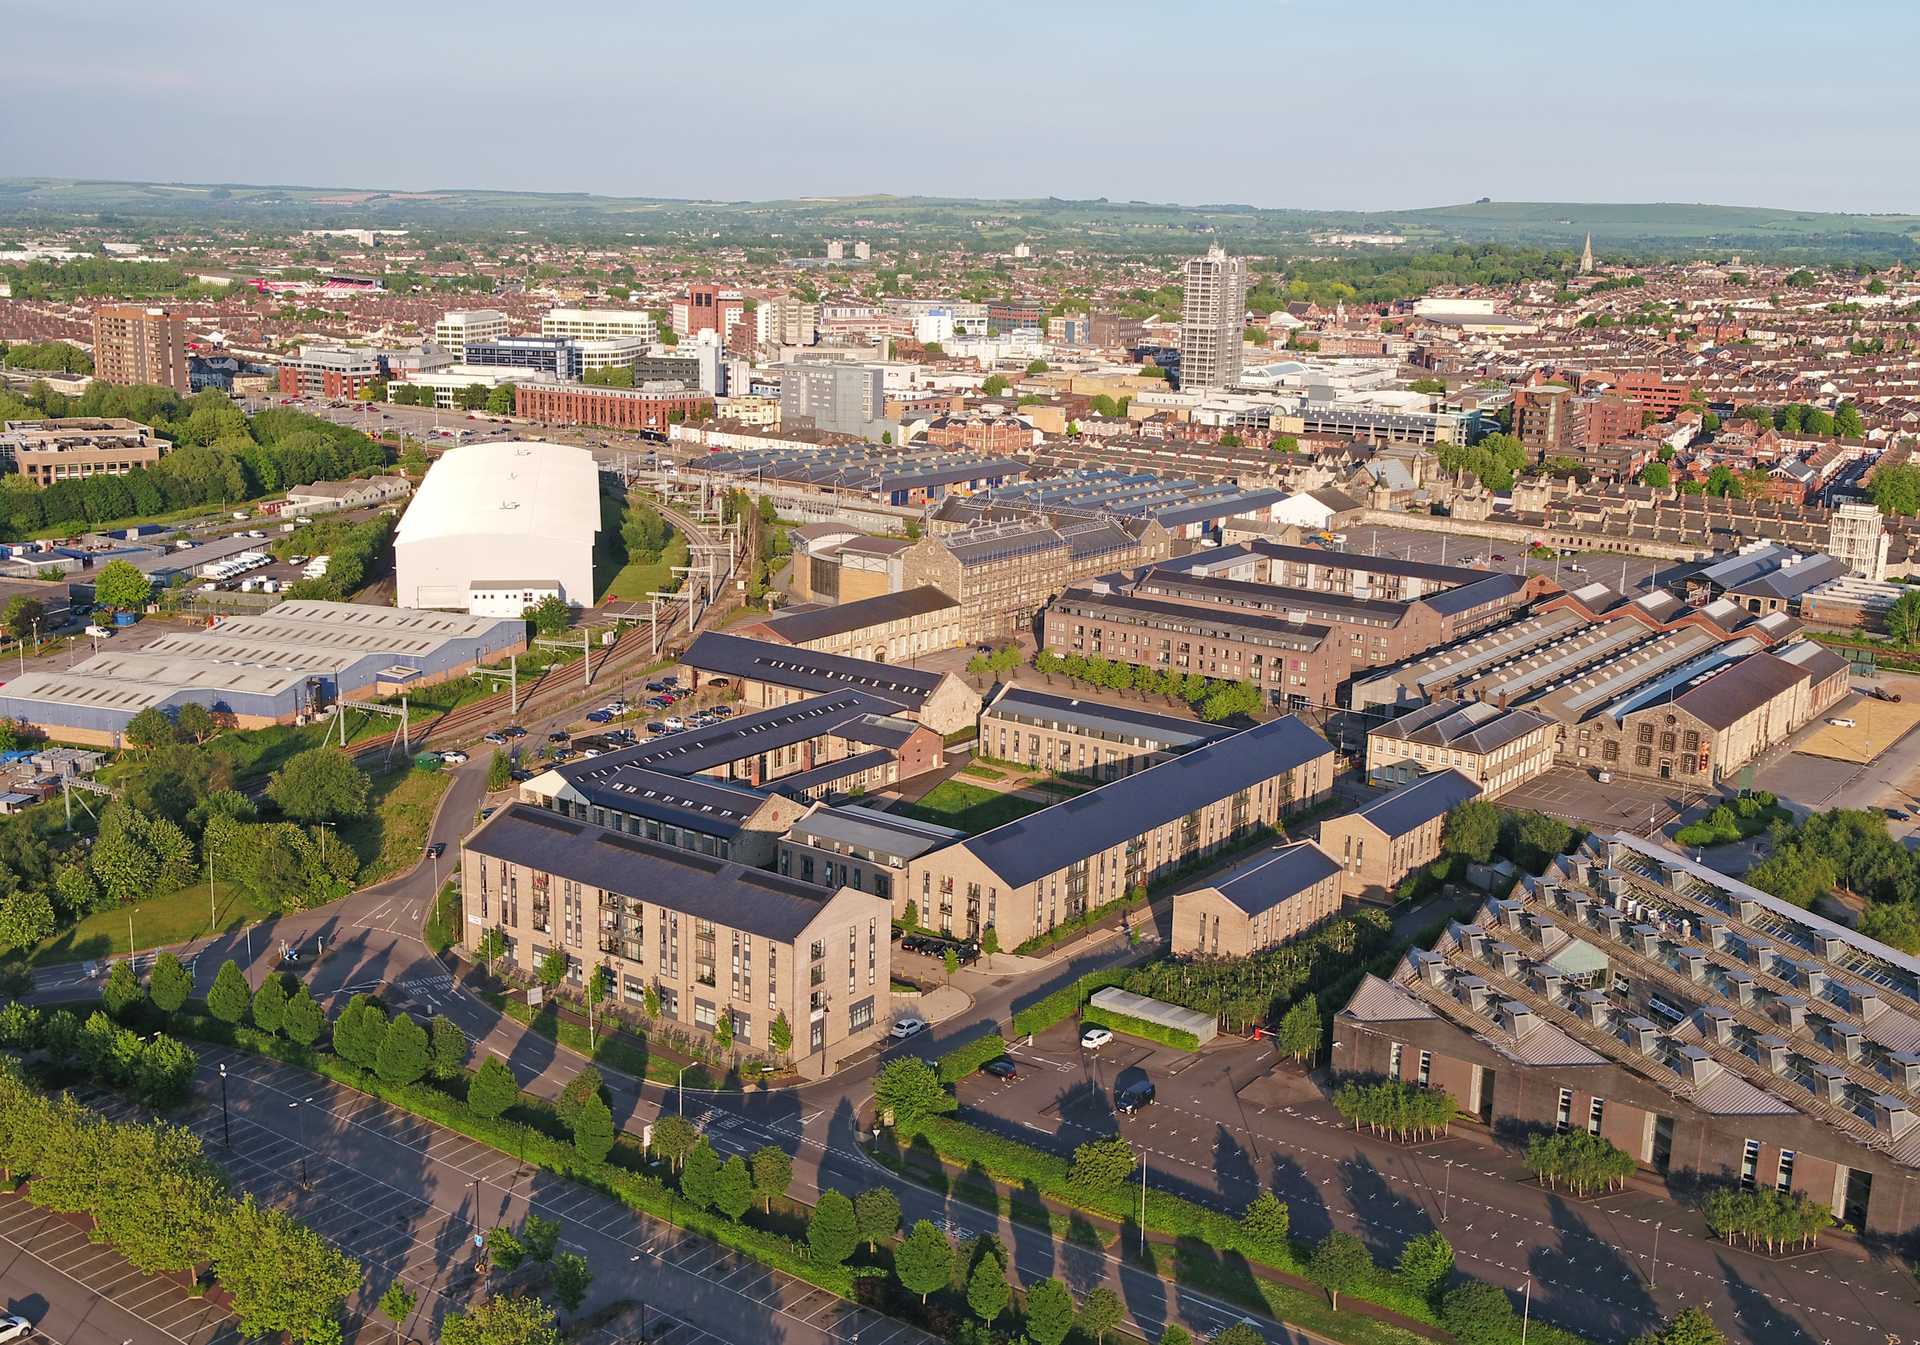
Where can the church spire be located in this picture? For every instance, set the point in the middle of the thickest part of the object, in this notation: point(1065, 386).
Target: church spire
point(1586, 257)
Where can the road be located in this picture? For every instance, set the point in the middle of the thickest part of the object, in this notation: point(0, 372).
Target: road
point(1591, 1264)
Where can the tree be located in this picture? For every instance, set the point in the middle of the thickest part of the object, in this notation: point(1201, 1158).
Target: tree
point(772, 1174)
point(359, 1032)
point(195, 722)
point(1691, 1326)
point(26, 917)
point(909, 1088)
point(1265, 1224)
point(1102, 1164)
point(490, 945)
point(22, 616)
point(994, 386)
point(723, 1031)
point(122, 990)
point(320, 784)
point(1896, 489)
point(149, 729)
point(700, 1174)
point(553, 968)
point(1101, 1313)
point(493, 1090)
point(571, 1276)
point(1300, 1030)
point(877, 1213)
point(1657, 475)
point(593, 1130)
point(397, 1303)
point(121, 587)
point(502, 1321)
point(780, 1035)
point(500, 400)
point(1903, 618)
point(402, 1057)
point(269, 1003)
point(733, 1188)
point(1471, 830)
point(1847, 423)
point(831, 1231)
point(1238, 1334)
point(989, 941)
point(587, 1083)
point(1426, 1263)
point(673, 1139)
point(1049, 1312)
point(1478, 1313)
point(1175, 1334)
point(1340, 1262)
point(447, 1048)
point(551, 615)
point(280, 1275)
point(229, 997)
point(924, 1261)
point(304, 1018)
point(988, 1292)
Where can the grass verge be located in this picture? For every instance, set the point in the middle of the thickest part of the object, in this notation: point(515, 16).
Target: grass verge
point(613, 1049)
point(173, 917)
point(955, 803)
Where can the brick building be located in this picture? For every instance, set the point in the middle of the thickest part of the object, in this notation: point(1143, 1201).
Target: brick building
point(768, 675)
point(1075, 736)
point(640, 408)
point(886, 627)
point(333, 372)
point(1714, 1033)
point(1493, 747)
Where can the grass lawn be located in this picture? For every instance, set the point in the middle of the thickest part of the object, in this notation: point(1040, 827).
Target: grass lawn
point(173, 918)
point(954, 803)
point(636, 579)
point(980, 772)
point(394, 835)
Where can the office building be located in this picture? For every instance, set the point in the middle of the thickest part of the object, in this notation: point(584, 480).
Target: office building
point(600, 324)
point(840, 398)
point(1495, 747)
point(1004, 575)
point(707, 308)
point(460, 328)
point(707, 937)
point(1213, 317)
point(786, 321)
point(651, 406)
point(556, 357)
point(72, 448)
point(1716, 1034)
point(332, 372)
point(886, 628)
point(134, 344)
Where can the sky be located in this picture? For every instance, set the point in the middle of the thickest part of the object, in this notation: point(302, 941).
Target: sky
point(1322, 104)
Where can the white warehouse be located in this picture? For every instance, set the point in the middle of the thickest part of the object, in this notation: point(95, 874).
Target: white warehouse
point(491, 518)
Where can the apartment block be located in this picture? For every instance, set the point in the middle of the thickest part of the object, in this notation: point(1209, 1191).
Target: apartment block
point(1379, 844)
point(1071, 735)
point(1493, 747)
point(1260, 903)
point(708, 937)
point(133, 344)
point(1213, 315)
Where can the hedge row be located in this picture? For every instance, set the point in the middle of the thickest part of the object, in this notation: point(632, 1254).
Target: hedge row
point(538, 1146)
point(1076, 926)
point(962, 1061)
point(1064, 1002)
point(1177, 1037)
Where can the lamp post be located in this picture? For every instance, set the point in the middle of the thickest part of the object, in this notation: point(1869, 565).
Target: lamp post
point(226, 1123)
point(299, 1111)
point(1526, 1310)
point(680, 1084)
point(1653, 1271)
point(1447, 1194)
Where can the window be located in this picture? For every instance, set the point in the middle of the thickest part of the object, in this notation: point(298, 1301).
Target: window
point(1393, 1060)
point(1784, 1181)
point(703, 1015)
point(1426, 1068)
point(1596, 1110)
point(1563, 1119)
point(860, 1016)
point(1749, 1164)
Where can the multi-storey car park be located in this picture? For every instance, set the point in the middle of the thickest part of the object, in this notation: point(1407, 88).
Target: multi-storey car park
point(1704, 1027)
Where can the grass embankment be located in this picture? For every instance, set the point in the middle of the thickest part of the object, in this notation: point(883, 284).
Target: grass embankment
point(393, 835)
point(174, 917)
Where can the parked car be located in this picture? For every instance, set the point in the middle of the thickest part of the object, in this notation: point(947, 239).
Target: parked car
point(1001, 1067)
point(599, 717)
point(14, 1328)
point(908, 1027)
point(655, 726)
point(454, 758)
point(559, 736)
point(1132, 1097)
point(514, 731)
point(1093, 1036)
point(497, 738)
point(1841, 722)
point(675, 723)
point(656, 686)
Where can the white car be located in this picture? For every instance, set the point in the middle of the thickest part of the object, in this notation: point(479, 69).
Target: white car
point(454, 758)
point(14, 1328)
point(675, 723)
point(1094, 1037)
point(908, 1027)
point(1841, 723)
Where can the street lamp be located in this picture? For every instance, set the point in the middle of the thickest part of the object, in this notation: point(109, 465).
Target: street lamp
point(1653, 1271)
point(680, 1083)
point(1526, 1310)
point(226, 1123)
point(1447, 1194)
point(298, 1111)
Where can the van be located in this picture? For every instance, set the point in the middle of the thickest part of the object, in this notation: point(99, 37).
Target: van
point(100, 632)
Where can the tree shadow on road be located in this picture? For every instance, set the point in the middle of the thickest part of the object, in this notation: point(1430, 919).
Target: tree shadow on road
point(1388, 1220)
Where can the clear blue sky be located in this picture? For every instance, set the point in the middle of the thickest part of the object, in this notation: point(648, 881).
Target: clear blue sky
point(1315, 103)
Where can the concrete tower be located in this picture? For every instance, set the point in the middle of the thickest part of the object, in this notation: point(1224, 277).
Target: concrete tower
point(1213, 320)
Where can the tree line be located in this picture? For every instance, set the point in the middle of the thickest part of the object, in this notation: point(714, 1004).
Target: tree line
point(157, 1200)
point(1214, 700)
point(47, 357)
point(218, 456)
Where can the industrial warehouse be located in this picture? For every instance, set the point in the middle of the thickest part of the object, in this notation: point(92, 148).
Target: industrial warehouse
point(1699, 1024)
point(275, 668)
point(495, 522)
